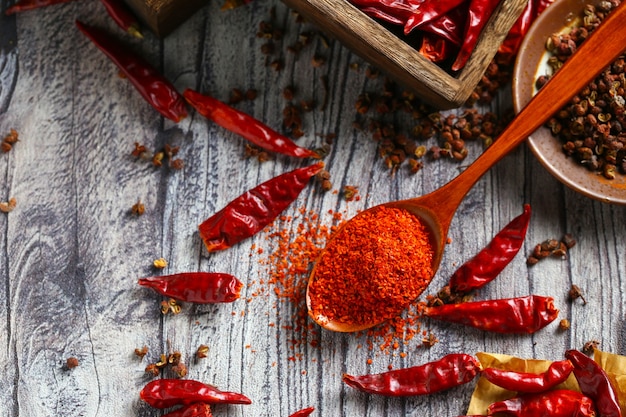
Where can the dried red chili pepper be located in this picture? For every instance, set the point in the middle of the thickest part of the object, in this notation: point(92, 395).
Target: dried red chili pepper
point(155, 88)
point(429, 11)
point(527, 382)
point(448, 26)
point(508, 315)
point(23, 5)
point(164, 393)
point(448, 372)
point(489, 262)
point(555, 403)
point(595, 383)
point(478, 14)
point(435, 48)
point(303, 413)
point(196, 287)
point(123, 16)
point(255, 209)
point(245, 125)
point(510, 46)
point(191, 410)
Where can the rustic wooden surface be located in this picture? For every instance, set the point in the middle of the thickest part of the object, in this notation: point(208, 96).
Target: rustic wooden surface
point(71, 252)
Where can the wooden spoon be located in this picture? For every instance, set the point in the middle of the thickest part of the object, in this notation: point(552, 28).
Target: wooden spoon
point(437, 209)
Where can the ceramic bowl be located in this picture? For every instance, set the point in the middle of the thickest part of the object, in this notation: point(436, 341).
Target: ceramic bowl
point(530, 63)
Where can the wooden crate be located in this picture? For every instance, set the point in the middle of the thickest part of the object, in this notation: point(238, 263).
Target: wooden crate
point(401, 61)
point(163, 16)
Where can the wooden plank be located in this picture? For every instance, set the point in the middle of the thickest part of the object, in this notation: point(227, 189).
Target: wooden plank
point(71, 252)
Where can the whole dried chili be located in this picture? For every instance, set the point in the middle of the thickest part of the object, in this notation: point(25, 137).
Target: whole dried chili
point(510, 46)
point(191, 410)
point(23, 5)
point(303, 413)
point(154, 87)
point(448, 372)
point(435, 48)
point(595, 384)
point(528, 382)
point(255, 209)
point(429, 11)
point(555, 403)
point(487, 264)
point(478, 14)
point(245, 125)
point(165, 393)
point(196, 287)
point(123, 16)
point(509, 315)
point(372, 268)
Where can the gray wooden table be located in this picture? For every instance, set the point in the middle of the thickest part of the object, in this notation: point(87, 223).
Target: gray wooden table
point(71, 251)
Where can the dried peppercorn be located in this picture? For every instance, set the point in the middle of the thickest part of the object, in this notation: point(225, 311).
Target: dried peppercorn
point(152, 86)
point(196, 287)
point(526, 382)
point(123, 16)
point(489, 262)
point(595, 384)
point(23, 5)
point(510, 315)
point(191, 410)
point(246, 126)
point(165, 393)
point(448, 372)
point(250, 212)
point(303, 413)
point(555, 403)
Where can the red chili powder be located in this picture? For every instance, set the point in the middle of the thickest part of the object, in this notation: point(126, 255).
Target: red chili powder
point(375, 266)
point(294, 245)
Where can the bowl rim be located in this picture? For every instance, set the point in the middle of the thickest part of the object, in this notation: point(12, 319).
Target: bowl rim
point(566, 170)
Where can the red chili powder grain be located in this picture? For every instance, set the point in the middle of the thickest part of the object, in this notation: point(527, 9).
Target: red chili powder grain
point(376, 265)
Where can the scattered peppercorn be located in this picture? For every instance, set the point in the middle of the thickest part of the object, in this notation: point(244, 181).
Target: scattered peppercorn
point(138, 208)
point(350, 193)
point(590, 127)
point(141, 352)
point(8, 206)
point(564, 324)
point(575, 292)
point(551, 248)
point(9, 140)
point(590, 346)
point(71, 362)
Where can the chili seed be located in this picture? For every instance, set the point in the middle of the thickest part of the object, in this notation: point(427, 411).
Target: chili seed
point(160, 263)
point(202, 351)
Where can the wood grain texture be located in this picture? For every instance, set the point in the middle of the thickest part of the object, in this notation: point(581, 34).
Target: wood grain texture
point(71, 252)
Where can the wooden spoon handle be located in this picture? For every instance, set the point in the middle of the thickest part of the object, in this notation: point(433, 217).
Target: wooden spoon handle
point(603, 46)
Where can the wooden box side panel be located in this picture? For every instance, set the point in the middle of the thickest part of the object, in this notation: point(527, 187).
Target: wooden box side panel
point(163, 16)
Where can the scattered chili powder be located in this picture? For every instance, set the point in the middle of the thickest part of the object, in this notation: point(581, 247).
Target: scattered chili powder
point(376, 265)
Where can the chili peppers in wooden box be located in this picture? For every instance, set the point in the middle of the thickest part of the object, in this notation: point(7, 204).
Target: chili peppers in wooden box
point(379, 44)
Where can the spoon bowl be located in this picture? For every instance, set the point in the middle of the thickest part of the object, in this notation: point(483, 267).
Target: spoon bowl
point(436, 209)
